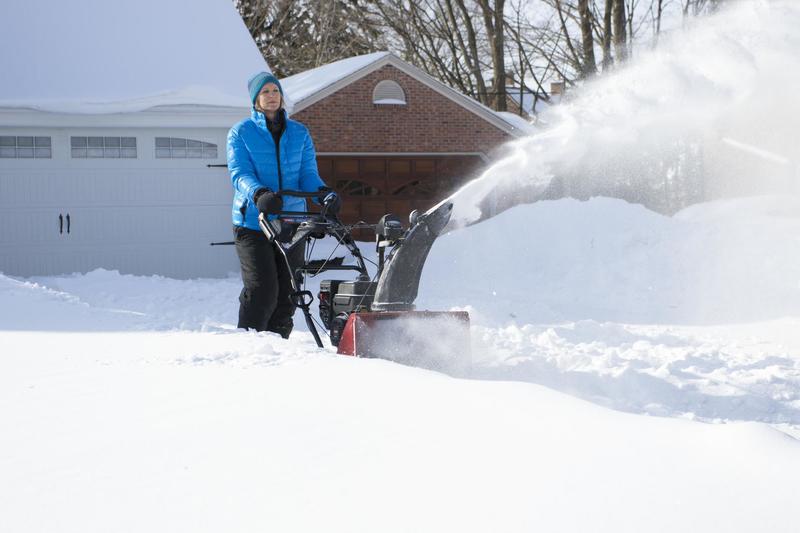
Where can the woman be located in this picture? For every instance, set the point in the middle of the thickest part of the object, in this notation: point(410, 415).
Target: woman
point(268, 153)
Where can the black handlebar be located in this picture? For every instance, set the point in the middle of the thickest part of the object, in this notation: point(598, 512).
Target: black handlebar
point(300, 194)
point(314, 195)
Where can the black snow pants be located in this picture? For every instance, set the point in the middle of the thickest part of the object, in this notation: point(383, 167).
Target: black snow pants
point(265, 303)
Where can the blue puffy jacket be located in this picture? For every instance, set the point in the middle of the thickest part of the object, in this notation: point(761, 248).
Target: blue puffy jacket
point(253, 165)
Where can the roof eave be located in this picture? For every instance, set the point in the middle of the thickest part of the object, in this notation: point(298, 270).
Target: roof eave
point(157, 116)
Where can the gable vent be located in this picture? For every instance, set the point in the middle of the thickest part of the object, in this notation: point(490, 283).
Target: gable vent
point(388, 92)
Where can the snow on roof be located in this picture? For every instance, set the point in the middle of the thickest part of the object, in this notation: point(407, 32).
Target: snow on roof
point(95, 56)
point(517, 121)
point(305, 84)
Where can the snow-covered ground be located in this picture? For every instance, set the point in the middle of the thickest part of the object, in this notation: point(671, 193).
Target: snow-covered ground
point(631, 371)
point(133, 404)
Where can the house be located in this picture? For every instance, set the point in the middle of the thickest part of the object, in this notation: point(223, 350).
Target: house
point(391, 138)
point(113, 123)
point(113, 131)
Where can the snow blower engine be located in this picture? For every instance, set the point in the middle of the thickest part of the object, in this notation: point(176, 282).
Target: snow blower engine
point(374, 316)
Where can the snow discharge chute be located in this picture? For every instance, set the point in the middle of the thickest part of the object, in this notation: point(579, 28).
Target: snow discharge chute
point(399, 281)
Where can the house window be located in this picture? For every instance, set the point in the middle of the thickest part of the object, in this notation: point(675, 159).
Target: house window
point(103, 147)
point(356, 188)
point(417, 188)
point(25, 147)
point(388, 92)
point(176, 148)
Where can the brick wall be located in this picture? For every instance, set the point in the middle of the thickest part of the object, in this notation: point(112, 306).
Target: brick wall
point(348, 121)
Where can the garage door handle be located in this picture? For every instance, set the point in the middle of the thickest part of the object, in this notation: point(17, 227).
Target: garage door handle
point(68, 222)
point(60, 223)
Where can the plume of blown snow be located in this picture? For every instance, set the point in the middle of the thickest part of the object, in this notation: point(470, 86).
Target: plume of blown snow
point(722, 91)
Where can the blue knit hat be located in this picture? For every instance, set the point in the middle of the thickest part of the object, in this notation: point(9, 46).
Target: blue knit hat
point(257, 82)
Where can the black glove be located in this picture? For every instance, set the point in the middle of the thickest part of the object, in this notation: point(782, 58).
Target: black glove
point(268, 202)
point(330, 201)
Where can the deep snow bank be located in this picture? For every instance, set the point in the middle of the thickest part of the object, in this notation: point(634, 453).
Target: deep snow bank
point(607, 260)
point(612, 303)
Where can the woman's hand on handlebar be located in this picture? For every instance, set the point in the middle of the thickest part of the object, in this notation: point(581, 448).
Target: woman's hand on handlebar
point(330, 201)
point(268, 202)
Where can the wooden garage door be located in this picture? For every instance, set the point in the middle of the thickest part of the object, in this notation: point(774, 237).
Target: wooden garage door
point(373, 186)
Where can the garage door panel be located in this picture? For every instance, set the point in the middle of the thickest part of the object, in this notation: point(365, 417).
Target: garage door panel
point(325, 166)
point(400, 208)
point(399, 168)
point(177, 260)
point(372, 210)
point(351, 210)
point(373, 169)
point(30, 226)
point(345, 168)
point(152, 224)
point(115, 187)
point(424, 166)
point(356, 187)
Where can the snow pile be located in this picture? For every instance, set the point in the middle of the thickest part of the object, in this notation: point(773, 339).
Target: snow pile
point(727, 261)
point(158, 303)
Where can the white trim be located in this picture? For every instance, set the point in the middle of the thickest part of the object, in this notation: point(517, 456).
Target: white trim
point(483, 156)
point(423, 77)
point(389, 101)
point(189, 116)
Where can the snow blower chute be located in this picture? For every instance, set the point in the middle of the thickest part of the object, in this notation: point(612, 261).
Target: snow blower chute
point(376, 316)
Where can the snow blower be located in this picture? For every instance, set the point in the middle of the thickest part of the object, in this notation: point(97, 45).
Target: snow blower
point(375, 316)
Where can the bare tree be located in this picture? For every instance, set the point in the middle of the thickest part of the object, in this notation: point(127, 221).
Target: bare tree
point(494, 20)
point(700, 7)
point(444, 38)
point(587, 38)
point(296, 35)
point(620, 34)
point(562, 19)
point(475, 46)
point(607, 12)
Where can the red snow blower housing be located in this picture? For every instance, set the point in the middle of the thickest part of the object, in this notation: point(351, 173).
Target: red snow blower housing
point(375, 316)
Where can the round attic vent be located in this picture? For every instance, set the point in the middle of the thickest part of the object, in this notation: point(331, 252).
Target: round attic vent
point(388, 92)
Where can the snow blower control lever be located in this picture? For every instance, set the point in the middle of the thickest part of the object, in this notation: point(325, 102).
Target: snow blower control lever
point(353, 311)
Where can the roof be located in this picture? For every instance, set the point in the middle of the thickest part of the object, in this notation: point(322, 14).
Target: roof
point(313, 85)
point(96, 56)
point(306, 84)
point(518, 122)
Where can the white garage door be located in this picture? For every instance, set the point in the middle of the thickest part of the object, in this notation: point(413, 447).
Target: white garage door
point(153, 217)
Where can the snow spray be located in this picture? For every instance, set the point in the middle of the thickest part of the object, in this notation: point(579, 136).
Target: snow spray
point(712, 112)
